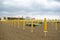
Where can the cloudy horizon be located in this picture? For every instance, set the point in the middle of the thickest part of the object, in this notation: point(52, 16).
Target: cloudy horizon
point(33, 8)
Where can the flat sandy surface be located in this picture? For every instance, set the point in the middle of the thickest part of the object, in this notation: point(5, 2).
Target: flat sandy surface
point(11, 31)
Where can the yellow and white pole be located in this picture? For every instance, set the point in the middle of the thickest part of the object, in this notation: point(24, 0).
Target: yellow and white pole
point(2, 19)
point(45, 26)
point(37, 21)
point(12, 22)
point(31, 25)
point(53, 21)
point(56, 24)
point(15, 23)
point(24, 24)
point(18, 22)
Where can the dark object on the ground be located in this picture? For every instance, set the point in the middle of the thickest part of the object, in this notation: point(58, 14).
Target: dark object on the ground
point(34, 25)
point(40, 22)
point(14, 18)
point(58, 22)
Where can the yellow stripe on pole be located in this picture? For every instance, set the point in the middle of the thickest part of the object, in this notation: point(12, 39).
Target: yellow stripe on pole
point(56, 24)
point(45, 25)
point(23, 24)
point(31, 25)
point(15, 23)
point(12, 22)
point(37, 21)
point(18, 23)
point(53, 21)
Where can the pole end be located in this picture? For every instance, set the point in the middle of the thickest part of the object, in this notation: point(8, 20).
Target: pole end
point(31, 30)
point(45, 31)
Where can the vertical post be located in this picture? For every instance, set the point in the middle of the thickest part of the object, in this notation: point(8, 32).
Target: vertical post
point(37, 21)
point(12, 22)
point(18, 22)
point(45, 26)
point(31, 25)
point(52, 21)
point(15, 23)
point(56, 24)
point(23, 24)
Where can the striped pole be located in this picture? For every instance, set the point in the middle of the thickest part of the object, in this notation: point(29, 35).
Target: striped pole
point(23, 24)
point(45, 26)
point(15, 23)
point(32, 26)
point(56, 24)
point(18, 23)
point(37, 21)
point(53, 21)
point(12, 22)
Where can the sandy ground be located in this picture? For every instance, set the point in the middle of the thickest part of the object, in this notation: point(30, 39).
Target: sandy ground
point(11, 31)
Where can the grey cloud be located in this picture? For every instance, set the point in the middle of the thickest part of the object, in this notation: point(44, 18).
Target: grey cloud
point(36, 9)
point(54, 0)
point(57, 0)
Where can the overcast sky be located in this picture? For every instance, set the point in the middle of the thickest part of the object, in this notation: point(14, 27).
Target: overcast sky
point(33, 8)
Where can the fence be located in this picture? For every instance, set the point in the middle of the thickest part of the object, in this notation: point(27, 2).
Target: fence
point(13, 22)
